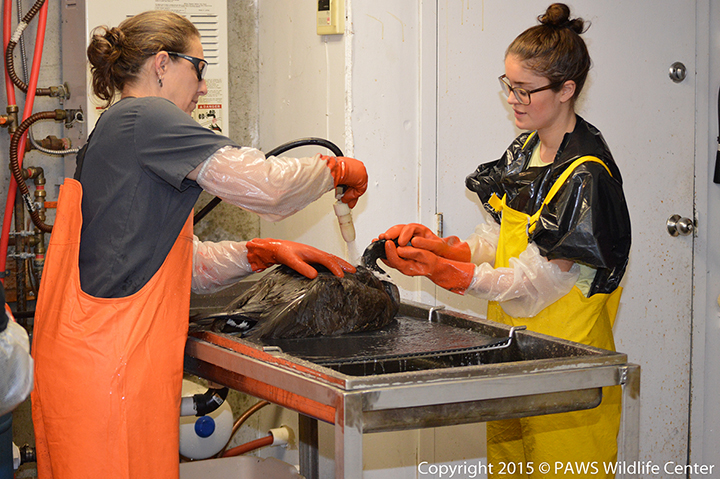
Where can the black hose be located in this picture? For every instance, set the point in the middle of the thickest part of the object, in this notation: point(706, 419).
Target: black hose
point(310, 141)
point(209, 401)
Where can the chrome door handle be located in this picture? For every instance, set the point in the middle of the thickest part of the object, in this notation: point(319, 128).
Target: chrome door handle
point(680, 226)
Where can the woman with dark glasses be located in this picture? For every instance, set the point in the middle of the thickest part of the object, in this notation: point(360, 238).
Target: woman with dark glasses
point(113, 308)
point(554, 247)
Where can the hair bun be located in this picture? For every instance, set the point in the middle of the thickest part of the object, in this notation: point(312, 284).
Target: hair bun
point(115, 37)
point(558, 15)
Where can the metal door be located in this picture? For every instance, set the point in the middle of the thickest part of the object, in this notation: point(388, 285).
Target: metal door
point(649, 122)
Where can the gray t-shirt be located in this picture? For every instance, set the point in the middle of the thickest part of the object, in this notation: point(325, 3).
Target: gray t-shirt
point(136, 198)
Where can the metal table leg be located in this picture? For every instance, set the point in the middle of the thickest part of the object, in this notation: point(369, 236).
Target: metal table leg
point(629, 437)
point(308, 447)
point(348, 438)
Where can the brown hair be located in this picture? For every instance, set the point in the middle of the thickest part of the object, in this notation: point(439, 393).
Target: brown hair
point(554, 49)
point(118, 54)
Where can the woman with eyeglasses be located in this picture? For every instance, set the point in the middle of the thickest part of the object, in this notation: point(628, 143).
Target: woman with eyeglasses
point(113, 308)
point(554, 246)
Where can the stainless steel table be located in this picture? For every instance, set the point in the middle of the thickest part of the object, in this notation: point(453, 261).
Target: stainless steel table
point(536, 374)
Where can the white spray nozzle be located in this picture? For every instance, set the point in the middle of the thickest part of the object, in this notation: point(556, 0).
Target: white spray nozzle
point(344, 216)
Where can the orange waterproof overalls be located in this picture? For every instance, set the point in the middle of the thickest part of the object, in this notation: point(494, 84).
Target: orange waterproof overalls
point(108, 372)
point(584, 439)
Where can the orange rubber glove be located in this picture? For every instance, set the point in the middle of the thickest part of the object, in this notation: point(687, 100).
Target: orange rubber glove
point(348, 172)
point(265, 252)
point(422, 237)
point(452, 275)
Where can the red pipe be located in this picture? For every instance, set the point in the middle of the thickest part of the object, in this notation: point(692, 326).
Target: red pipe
point(27, 111)
point(12, 187)
point(249, 446)
point(34, 74)
point(7, 33)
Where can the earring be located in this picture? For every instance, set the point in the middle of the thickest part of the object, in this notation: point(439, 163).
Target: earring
point(160, 82)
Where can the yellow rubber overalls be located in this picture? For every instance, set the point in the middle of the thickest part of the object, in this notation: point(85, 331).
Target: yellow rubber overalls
point(108, 371)
point(577, 437)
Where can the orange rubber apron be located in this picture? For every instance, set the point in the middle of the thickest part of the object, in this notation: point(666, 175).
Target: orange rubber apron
point(578, 439)
point(108, 372)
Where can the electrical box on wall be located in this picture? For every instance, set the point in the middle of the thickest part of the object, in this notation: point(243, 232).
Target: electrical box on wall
point(330, 17)
point(80, 17)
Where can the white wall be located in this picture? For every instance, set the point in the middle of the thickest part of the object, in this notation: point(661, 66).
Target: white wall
point(301, 95)
point(313, 85)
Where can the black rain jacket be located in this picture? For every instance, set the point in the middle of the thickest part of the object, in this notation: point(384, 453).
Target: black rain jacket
point(586, 222)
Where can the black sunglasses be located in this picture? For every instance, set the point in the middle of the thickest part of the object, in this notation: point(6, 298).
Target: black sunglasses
point(199, 64)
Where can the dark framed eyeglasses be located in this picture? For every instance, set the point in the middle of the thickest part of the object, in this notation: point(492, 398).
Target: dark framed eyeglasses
point(199, 64)
point(521, 94)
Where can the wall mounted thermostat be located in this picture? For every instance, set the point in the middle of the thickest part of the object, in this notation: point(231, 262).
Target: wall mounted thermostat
point(330, 17)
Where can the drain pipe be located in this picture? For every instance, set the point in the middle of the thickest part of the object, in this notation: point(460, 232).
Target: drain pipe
point(202, 404)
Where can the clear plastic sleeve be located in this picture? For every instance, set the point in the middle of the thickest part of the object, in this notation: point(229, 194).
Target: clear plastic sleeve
point(16, 380)
point(274, 188)
point(483, 242)
point(218, 265)
point(529, 285)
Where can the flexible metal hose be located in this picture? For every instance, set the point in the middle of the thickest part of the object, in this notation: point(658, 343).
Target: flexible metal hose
point(17, 169)
point(9, 55)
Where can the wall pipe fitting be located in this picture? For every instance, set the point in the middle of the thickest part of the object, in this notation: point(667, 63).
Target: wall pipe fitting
point(37, 241)
point(12, 118)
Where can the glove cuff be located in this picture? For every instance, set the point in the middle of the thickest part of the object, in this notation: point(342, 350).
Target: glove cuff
point(336, 168)
point(259, 255)
point(455, 276)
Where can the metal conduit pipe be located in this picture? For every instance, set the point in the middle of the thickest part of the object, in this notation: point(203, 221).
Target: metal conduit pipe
point(21, 41)
point(9, 53)
point(56, 115)
point(49, 151)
